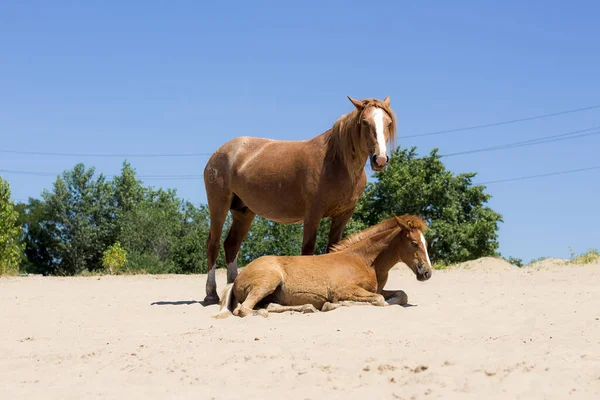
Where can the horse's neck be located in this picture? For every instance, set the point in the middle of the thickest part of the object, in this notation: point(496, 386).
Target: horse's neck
point(371, 248)
point(358, 158)
point(385, 261)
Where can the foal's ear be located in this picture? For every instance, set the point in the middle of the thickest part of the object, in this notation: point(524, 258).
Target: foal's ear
point(386, 101)
point(401, 223)
point(359, 104)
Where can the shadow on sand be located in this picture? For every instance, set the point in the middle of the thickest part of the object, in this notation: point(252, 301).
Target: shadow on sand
point(176, 303)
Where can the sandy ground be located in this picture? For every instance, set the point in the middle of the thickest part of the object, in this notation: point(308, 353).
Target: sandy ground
point(484, 330)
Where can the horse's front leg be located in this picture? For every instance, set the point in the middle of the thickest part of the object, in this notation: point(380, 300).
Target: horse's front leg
point(338, 223)
point(309, 231)
point(395, 297)
point(356, 296)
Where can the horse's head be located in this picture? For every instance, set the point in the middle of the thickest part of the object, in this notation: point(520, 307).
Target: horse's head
point(377, 127)
point(412, 246)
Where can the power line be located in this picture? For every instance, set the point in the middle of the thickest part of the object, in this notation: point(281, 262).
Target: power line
point(512, 121)
point(538, 176)
point(146, 177)
point(41, 153)
point(531, 142)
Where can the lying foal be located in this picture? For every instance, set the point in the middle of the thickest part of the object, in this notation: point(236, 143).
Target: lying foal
point(354, 272)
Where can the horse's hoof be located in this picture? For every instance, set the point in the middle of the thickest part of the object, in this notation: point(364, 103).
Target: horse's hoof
point(328, 307)
point(262, 312)
point(400, 299)
point(308, 309)
point(211, 299)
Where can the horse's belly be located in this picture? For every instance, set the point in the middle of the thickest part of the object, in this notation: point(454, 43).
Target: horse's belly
point(272, 199)
point(296, 297)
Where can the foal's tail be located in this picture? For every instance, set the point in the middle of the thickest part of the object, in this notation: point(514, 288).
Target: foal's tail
point(228, 303)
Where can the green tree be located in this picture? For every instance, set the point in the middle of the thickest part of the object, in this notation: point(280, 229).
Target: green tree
point(10, 233)
point(80, 221)
point(270, 238)
point(38, 238)
point(461, 227)
point(128, 190)
point(151, 230)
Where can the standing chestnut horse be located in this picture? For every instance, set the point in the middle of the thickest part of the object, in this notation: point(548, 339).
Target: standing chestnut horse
point(294, 181)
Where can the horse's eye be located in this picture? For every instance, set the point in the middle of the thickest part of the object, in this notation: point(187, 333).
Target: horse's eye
point(415, 244)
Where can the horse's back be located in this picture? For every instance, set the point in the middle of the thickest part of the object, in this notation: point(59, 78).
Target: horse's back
point(269, 176)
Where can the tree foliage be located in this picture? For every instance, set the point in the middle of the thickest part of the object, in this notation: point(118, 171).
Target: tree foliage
point(10, 232)
point(269, 238)
point(87, 223)
point(461, 226)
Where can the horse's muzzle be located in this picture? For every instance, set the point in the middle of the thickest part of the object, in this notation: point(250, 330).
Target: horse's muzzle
point(423, 274)
point(376, 162)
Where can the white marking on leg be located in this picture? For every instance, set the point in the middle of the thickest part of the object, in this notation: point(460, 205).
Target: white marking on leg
point(378, 117)
point(425, 248)
point(232, 270)
point(211, 274)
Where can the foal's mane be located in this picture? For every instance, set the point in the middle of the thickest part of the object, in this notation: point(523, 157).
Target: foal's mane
point(406, 221)
point(343, 136)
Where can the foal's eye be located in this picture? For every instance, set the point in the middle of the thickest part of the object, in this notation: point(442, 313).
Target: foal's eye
point(415, 244)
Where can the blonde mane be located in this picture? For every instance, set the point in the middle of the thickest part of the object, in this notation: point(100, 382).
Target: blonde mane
point(406, 221)
point(343, 136)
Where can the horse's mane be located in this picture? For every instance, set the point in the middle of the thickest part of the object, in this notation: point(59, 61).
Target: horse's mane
point(405, 221)
point(342, 137)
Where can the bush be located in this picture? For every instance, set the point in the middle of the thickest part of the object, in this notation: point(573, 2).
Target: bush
point(114, 258)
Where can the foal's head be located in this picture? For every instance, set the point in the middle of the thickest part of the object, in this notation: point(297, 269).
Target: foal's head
point(377, 125)
point(412, 246)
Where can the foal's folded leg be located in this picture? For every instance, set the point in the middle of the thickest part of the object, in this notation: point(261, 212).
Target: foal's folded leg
point(356, 296)
point(348, 303)
point(267, 286)
point(359, 295)
point(278, 308)
point(395, 297)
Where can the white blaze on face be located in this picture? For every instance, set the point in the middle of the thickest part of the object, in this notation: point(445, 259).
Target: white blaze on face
point(378, 118)
point(425, 247)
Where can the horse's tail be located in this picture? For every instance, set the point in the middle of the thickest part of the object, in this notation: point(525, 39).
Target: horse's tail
point(227, 304)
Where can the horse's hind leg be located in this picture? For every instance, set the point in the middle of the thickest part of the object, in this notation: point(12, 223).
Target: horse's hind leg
point(219, 201)
point(241, 221)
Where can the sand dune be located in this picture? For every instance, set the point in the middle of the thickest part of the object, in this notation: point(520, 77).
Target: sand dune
point(482, 330)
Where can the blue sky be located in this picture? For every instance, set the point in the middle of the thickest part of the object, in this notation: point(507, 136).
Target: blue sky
point(133, 77)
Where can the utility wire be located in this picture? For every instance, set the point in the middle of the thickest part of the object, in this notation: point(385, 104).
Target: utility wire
point(531, 142)
point(147, 177)
point(40, 153)
point(512, 121)
point(537, 176)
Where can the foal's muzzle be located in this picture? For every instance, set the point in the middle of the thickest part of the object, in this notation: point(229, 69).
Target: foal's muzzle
point(423, 273)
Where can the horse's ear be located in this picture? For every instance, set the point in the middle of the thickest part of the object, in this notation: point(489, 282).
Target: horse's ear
point(386, 101)
point(401, 223)
point(359, 104)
